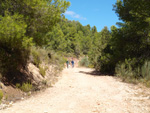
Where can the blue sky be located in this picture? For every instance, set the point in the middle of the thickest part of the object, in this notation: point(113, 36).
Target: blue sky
point(93, 12)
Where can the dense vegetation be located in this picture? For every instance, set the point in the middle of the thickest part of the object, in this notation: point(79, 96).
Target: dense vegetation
point(123, 51)
point(24, 24)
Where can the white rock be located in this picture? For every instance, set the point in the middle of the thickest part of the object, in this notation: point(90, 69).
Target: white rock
point(22, 98)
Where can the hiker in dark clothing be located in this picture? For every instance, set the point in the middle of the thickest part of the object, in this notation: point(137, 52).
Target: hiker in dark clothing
point(67, 63)
point(72, 62)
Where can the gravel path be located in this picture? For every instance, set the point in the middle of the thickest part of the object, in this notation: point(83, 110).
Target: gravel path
point(77, 91)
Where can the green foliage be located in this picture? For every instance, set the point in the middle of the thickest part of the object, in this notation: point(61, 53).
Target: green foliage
point(97, 55)
point(26, 87)
point(14, 45)
point(145, 70)
point(36, 57)
point(1, 95)
point(44, 82)
point(84, 61)
point(56, 40)
point(42, 70)
point(45, 13)
point(134, 32)
point(59, 60)
point(125, 70)
point(124, 50)
point(129, 72)
point(131, 40)
point(43, 57)
point(23, 24)
point(18, 85)
point(70, 37)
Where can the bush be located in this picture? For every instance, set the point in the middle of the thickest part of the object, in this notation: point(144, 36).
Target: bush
point(42, 70)
point(145, 70)
point(44, 82)
point(1, 95)
point(140, 73)
point(43, 57)
point(39, 55)
point(125, 70)
point(36, 57)
point(84, 61)
point(26, 87)
point(58, 60)
point(18, 85)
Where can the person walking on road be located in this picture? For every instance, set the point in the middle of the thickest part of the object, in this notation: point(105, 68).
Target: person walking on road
point(67, 63)
point(72, 62)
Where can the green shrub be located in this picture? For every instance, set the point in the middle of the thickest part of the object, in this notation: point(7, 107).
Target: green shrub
point(39, 55)
point(44, 82)
point(6, 97)
point(1, 95)
point(36, 57)
point(45, 56)
point(145, 70)
point(18, 85)
point(26, 87)
point(125, 70)
point(58, 60)
point(42, 70)
point(138, 73)
point(84, 61)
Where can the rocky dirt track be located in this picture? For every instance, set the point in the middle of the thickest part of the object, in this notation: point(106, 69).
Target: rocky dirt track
point(78, 91)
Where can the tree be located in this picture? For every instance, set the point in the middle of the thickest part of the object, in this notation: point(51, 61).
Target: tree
point(56, 40)
point(94, 30)
point(14, 45)
point(135, 31)
point(98, 57)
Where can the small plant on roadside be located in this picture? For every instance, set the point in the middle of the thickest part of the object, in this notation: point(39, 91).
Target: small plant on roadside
point(18, 85)
point(6, 97)
point(43, 70)
point(36, 58)
point(44, 82)
point(1, 95)
point(26, 87)
point(145, 70)
point(29, 93)
point(126, 71)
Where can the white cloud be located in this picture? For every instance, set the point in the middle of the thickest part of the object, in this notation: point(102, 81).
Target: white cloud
point(74, 15)
point(70, 13)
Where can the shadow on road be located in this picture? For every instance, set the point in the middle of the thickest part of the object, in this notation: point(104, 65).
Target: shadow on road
point(94, 73)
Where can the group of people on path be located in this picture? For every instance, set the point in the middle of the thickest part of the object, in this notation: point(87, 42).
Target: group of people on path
point(68, 63)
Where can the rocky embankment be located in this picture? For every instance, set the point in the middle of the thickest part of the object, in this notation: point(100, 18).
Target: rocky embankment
point(12, 94)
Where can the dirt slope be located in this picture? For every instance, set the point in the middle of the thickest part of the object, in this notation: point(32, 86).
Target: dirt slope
point(79, 92)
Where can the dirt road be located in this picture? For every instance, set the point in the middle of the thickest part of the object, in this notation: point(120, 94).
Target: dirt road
point(77, 91)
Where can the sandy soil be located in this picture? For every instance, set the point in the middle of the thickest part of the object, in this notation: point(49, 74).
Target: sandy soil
point(77, 91)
